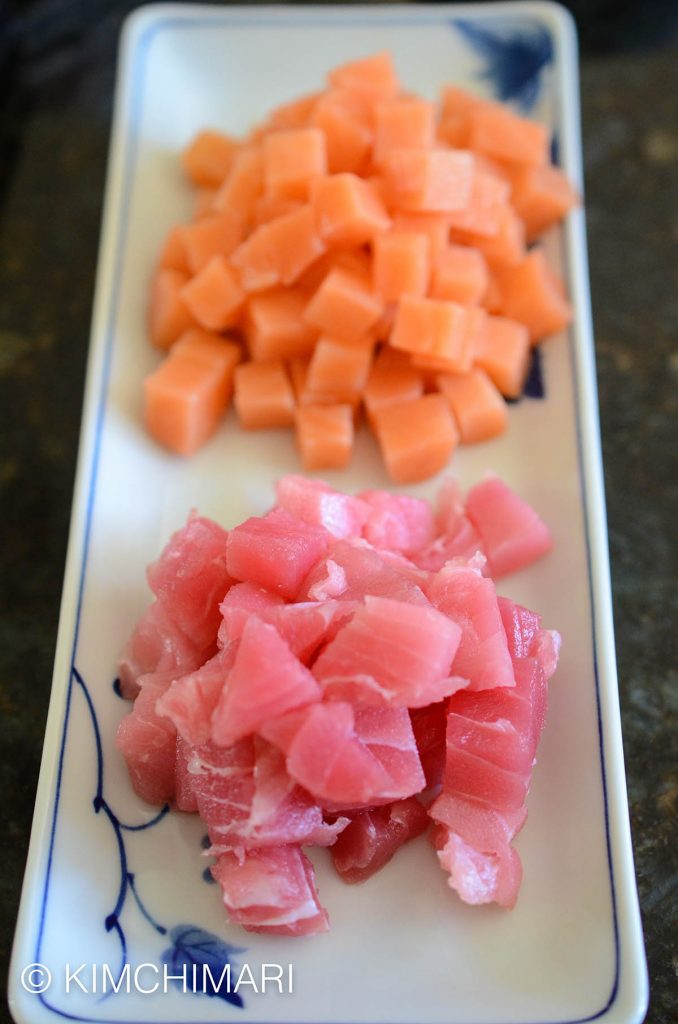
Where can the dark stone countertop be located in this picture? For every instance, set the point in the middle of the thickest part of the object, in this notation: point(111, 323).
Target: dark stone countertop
point(56, 74)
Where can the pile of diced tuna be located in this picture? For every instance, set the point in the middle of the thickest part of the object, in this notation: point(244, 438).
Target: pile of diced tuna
point(340, 672)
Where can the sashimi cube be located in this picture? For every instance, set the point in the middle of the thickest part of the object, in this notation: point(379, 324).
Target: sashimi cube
point(209, 157)
point(391, 652)
point(338, 370)
point(157, 644)
point(316, 502)
point(253, 692)
point(344, 305)
point(191, 577)
point(271, 891)
point(292, 160)
point(478, 408)
point(279, 251)
point(470, 600)
point(275, 326)
point(243, 185)
point(470, 776)
point(497, 132)
point(532, 293)
point(327, 759)
point(429, 725)
point(387, 733)
point(263, 396)
point(243, 600)
point(173, 254)
point(416, 438)
point(373, 77)
point(367, 571)
point(324, 435)
point(522, 627)
point(541, 196)
point(296, 113)
point(482, 827)
point(374, 836)
point(503, 352)
point(512, 533)
point(433, 327)
point(168, 314)
point(429, 180)
point(347, 135)
point(214, 296)
point(184, 401)
point(214, 235)
point(435, 226)
point(276, 550)
point(390, 385)
point(401, 264)
point(480, 877)
point(307, 625)
point(347, 209)
point(149, 743)
point(402, 123)
point(222, 781)
point(460, 274)
point(190, 700)
point(498, 741)
point(397, 522)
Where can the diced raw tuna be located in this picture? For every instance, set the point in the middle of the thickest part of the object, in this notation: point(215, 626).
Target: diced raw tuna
point(461, 544)
point(222, 780)
point(368, 571)
point(429, 726)
point(156, 645)
point(470, 776)
point(266, 680)
point(317, 503)
point(309, 624)
point(149, 743)
point(190, 700)
point(484, 828)
point(387, 733)
point(373, 837)
point(327, 758)
point(512, 533)
point(243, 600)
point(191, 578)
point(279, 810)
point(391, 652)
point(276, 551)
point(332, 584)
point(184, 794)
point(546, 649)
point(397, 522)
point(498, 741)
point(271, 891)
point(479, 877)
point(521, 626)
point(470, 600)
point(281, 731)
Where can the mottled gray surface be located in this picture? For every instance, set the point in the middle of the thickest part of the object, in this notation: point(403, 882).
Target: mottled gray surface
point(54, 124)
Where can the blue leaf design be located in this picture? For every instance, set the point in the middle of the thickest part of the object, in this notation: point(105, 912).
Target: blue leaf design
point(514, 58)
point(195, 946)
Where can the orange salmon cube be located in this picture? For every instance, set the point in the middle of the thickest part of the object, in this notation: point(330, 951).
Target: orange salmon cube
point(209, 158)
point(214, 297)
point(173, 253)
point(275, 327)
point(506, 247)
point(243, 185)
point(402, 123)
point(338, 370)
point(324, 436)
point(184, 400)
point(279, 251)
point(263, 396)
point(429, 180)
point(417, 437)
point(458, 357)
point(348, 138)
point(210, 348)
point(503, 352)
point(455, 116)
point(168, 314)
point(390, 385)
point(292, 159)
point(295, 114)
point(435, 226)
point(402, 265)
point(488, 199)
point(373, 77)
point(269, 207)
point(541, 196)
point(502, 135)
point(460, 274)
point(432, 327)
point(216, 235)
point(477, 406)
point(347, 210)
point(534, 294)
point(344, 306)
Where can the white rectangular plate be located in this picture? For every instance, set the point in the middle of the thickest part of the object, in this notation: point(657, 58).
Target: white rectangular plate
point(402, 948)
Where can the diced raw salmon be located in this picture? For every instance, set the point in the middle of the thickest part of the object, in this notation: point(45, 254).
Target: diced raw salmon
point(416, 438)
point(263, 396)
point(324, 435)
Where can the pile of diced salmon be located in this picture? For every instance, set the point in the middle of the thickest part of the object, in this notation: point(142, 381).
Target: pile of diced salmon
point(340, 672)
point(361, 251)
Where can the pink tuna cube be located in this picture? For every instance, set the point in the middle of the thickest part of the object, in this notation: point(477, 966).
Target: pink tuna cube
point(397, 522)
point(317, 503)
point(470, 600)
point(191, 578)
point(512, 533)
point(157, 644)
point(266, 680)
point(271, 891)
point(276, 551)
point(149, 743)
point(190, 700)
point(479, 877)
point(391, 652)
point(374, 836)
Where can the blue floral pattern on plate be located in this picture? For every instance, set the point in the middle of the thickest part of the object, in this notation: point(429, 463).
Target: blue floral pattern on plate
point(514, 58)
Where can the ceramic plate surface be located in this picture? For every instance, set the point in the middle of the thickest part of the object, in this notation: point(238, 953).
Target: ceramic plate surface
point(108, 883)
